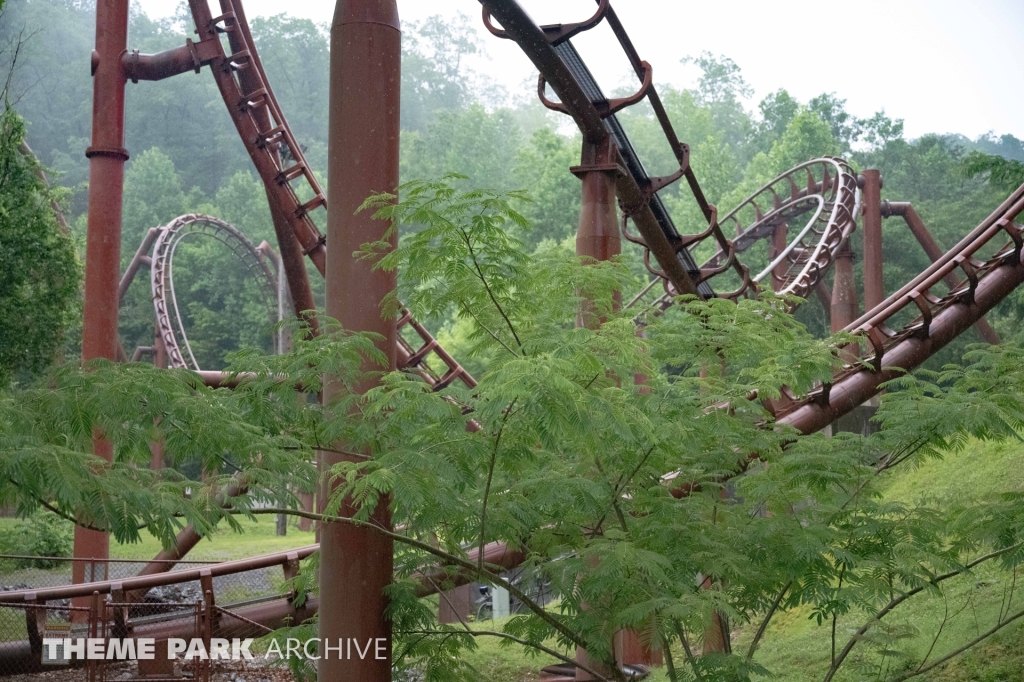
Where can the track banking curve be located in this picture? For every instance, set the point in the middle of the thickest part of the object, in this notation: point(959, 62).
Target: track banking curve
point(169, 322)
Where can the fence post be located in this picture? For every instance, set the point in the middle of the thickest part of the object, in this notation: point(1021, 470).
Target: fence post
point(209, 612)
point(93, 630)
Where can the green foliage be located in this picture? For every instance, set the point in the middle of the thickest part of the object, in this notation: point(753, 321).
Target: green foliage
point(618, 493)
point(41, 535)
point(39, 269)
point(242, 438)
point(574, 463)
point(479, 143)
point(1006, 174)
point(541, 165)
point(434, 73)
point(153, 196)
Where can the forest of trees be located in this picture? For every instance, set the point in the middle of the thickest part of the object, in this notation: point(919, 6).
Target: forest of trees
point(186, 155)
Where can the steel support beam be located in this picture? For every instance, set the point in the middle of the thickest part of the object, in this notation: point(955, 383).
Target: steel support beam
point(909, 353)
point(779, 242)
point(597, 239)
point(871, 224)
point(844, 290)
point(924, 237)
point(107, 157)
point(356, 563)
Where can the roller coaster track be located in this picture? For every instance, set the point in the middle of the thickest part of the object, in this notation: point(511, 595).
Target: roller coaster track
point(264, 131)
point(899, 334)
point(279, 160)
point(825, 190)
point(169, 322)
point(896, 346)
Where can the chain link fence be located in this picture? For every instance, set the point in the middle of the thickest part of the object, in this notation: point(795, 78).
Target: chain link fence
point(45, 621)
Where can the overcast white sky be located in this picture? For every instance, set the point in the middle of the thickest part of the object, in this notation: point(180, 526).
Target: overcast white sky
point(942, 65)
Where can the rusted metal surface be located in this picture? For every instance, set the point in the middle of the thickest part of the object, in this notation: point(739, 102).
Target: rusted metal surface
point(154, 67)
point(107, 157)
point(252, 618)
point(597, 240)
point(262, 143)
point(157, 253)
point(874, 285)
point(266, 134)
point(934, 252)
point(294, 266)
point(815, 203)
point(149, 581)
point(560, 67)
point(597, 237)
point(356, 563)
point(778, 247)
point(891, 353)
point(282, 167)
point(200, 606)
point(551, 50)
point(844, 307)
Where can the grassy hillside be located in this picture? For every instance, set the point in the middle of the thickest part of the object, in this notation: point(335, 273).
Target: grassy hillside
point(797, 650)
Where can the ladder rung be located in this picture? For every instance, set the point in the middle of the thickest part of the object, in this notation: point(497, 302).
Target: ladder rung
point(311, 205)
point(269, 137)
point(291, 173)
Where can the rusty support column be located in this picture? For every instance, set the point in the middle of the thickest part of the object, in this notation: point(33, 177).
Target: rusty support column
point(780, 239)
point(356, 563)
point(295, 270)
point(306, 525)
point(597, 239)
point(159, 360)
point(844, 290)
point(107, 157)
point(934, 251)
point(871, 224)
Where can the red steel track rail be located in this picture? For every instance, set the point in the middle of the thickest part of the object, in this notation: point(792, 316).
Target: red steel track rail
point(265, 133)
point(939, 319)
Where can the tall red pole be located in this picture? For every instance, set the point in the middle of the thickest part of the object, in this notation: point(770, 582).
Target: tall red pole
point(780, 240)
point(107, 157)
point(874, 287)
point(844, 296)
point(356, 563)
point(597, 240)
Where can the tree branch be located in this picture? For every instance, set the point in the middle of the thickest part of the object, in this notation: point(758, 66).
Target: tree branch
point(487, 288)
point(689, 653)
point(953, 654)
point(768, 616)
point(487, 329)
point(490, 477)
point(465, 564)
point(670, 665)
point(857, 636)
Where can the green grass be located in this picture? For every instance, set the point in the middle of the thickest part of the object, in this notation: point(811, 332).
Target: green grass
point(258, 538)
point(795, 649)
